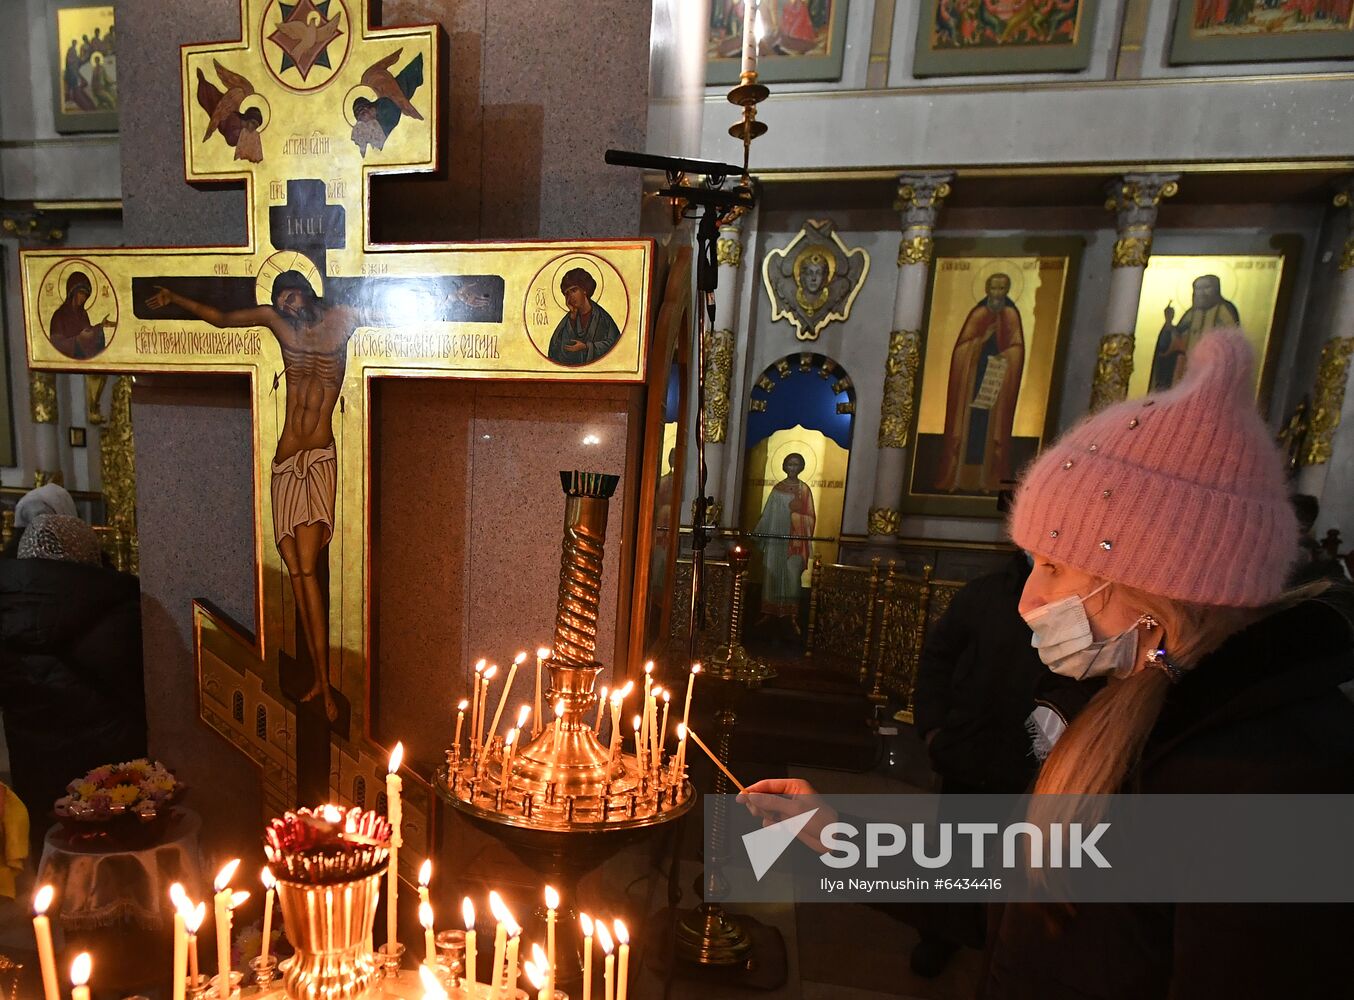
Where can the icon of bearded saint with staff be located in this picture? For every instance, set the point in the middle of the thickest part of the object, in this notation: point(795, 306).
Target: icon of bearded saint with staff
point(814, 279)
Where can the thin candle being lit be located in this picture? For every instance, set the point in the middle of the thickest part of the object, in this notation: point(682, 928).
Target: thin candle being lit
point(683, 731)
point(42, 930)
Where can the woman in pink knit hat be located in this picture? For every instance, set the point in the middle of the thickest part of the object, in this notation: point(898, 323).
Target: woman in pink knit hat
point(1162, 538)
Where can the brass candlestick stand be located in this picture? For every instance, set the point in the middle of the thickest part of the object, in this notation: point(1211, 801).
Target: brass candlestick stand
point(565, 801)
point(731, 660)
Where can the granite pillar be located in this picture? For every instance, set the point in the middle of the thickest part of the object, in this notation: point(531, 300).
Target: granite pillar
point(920, 198)
point(1134, 199)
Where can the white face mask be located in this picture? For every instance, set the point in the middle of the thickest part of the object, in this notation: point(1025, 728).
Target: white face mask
point(1062, 634)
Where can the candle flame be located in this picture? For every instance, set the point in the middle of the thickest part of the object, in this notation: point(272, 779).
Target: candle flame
point(192, 920)
point(534, 975)
point(463, 704)
point(617, 697)
point(81, 968)
point(551, 898)
point(604, 938)
point(396, 758)
point(523, 714)
point(695, 668)
point(605, 689)
point(622, 934)
point(514, 928)
point(559, 709)
point(543, 653)
point(468, 913)
point(43, 898)
point(182, 904)
point(497, 907)
point(432, 989)
point(511, 738)
point(425, 915)
point(625, 691)
point(490, 673)
point(667, 695)
point(681, 731)
point(425, 872)
point(480, 665)
point(586, 921)
point(648, 667)
point(224, 876)
point(238, 899)
point(638, 721)
point(538, 955)
point(268, 878)
point(520, 658)
point(331, 812)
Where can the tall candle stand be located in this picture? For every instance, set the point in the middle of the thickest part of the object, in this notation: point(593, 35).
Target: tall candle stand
point(731, 659)
point(565, 802)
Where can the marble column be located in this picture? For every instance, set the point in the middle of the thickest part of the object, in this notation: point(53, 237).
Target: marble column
point(1134, 198)
point(920, 198)
point(1328, 450)
point(719, 349)
point(43, 409)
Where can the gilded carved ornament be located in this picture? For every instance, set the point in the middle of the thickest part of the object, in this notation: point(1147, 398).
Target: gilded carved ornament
point(1132, 251)
point(42, 397)
point(117, 456)
point(884, 521)
point(1135, 199)
point(718, 375)
point(917, 250)
point(729, 252)
point(1113, 368)
point(900, 379)
point(814, 279)
point(1327, 399)
point(920, 198)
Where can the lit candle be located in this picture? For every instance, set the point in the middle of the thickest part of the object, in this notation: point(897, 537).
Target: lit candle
point(509, 749)
point(539, 974)
point(425, 876)
point(623, 960)
point(652, 724)
point(551, 905)
point(395, 814)
point(535, 977)
point(523, 714)
point(475, 704)
point(644, 703)
point(460, 721)
point(42, 930)
point(471, 956)
point(586, 922)
point(679, 759)
point(269, 882)
point(686, 709)
point(616, 698)
point(542, 655)
point(750, 36)
point(639, 742)
point(514, 940)
point(192, 923)
point(663, 729)
point(518, 660)
point(425, 917)
point(181, 909)
point(601, 705)
point(80, 970)
point(559, 725)
point(501, 918)
point(488, 675)
point(609, 966)
point(432, 986)
point(222, 907)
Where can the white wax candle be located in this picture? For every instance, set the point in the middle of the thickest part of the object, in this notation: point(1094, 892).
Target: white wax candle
point(395, 814)
point(268, 883)
point(425, 917)
point(551, 906)
point(559, 725)
point(586, 922)
point(639, 742)
point(475, 703)
point(80, 970)
point(510, 978)
point(42, 930)
point(601, 706)
point(542, 655)
point(503, 697)
point(193, 921)
point(502, 918)
point(622, 961)
point(485, 678)
point(609, 965)
point(644, 702)
point(663, 729)
point(180, 969)
point(749, 40)
point(471, 954)
point(460, 721)
point(221, 907)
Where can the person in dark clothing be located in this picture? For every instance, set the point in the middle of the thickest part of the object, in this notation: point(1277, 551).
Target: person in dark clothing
point(70, 662)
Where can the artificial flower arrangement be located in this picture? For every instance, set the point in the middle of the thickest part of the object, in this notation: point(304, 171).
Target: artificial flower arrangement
point(140, 788)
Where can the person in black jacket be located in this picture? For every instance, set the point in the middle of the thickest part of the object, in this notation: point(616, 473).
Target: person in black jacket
point(70, 662)
point(1163, 539)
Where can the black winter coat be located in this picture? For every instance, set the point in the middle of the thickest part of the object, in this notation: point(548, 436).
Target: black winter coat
point(976, 685)
point(1265, 713)
point(70, 674)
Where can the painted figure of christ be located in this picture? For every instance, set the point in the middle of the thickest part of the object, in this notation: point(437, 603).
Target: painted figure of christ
point(313, 336)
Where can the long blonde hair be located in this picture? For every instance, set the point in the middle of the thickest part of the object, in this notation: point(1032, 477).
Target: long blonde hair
point(1103, 743)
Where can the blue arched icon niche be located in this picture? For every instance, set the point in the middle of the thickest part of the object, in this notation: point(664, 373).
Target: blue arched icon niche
point(800, 418)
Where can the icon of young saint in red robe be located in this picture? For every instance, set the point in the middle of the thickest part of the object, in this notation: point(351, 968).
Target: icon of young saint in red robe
point(984, 383)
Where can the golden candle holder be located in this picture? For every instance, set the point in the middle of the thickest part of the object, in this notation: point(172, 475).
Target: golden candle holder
point(566, 801)
point(748, 94)
point(731, 660)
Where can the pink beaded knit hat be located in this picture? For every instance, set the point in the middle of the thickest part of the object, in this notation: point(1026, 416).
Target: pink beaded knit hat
point(1181, 494)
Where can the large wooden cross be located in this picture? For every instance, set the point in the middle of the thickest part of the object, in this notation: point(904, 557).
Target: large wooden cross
point(305, 108)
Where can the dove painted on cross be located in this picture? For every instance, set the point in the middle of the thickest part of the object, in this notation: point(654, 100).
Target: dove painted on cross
point(305, 109)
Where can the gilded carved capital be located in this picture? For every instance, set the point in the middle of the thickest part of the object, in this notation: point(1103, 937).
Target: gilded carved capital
point(1113, 368)
point(920, 198)
point(917, 250)
point(884, 521)
point(729, 251)
point(1132, 251)
point(42, 397)
point(1327, 399)
point(718, 376)
point(1134, 198)
point(900, 379)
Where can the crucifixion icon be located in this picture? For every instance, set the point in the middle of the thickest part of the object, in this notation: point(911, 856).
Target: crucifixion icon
point(305, 109)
